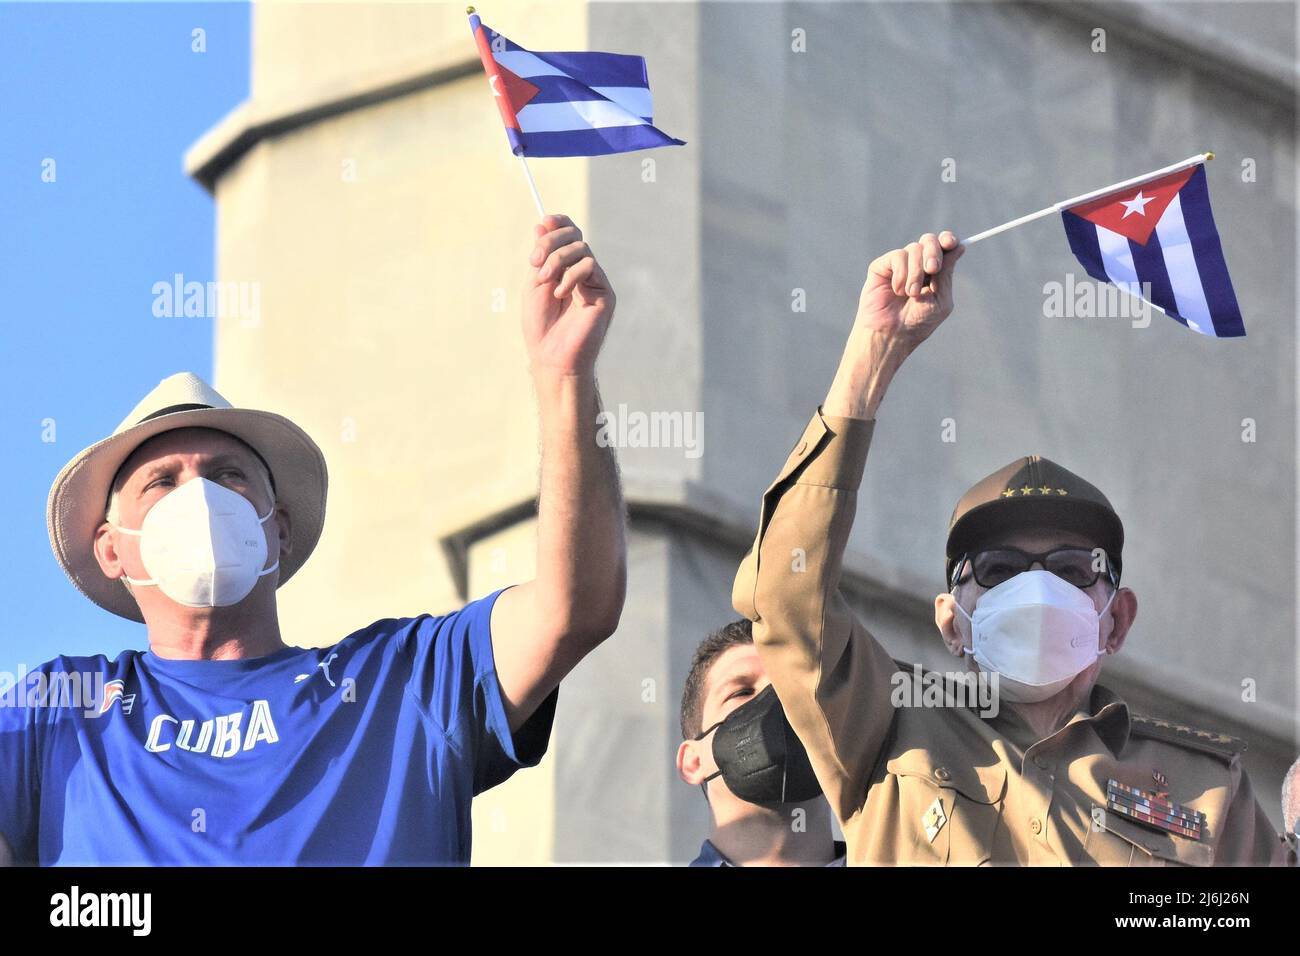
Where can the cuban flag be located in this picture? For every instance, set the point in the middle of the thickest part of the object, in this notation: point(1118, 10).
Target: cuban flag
point(1160, 232)
point(569, 104)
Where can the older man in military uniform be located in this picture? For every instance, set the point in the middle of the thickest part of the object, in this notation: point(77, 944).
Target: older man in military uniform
point(1060, 771)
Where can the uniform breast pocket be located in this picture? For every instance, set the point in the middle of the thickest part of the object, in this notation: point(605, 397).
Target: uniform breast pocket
point(1115, 841)
point(947, 814)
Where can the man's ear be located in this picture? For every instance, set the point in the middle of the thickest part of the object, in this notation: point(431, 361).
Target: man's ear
point(105, 545)
point(1123, 611)
point(689, 766)
point(945, 619)
point(285, 523)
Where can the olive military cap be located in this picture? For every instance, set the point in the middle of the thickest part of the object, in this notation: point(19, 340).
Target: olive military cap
point(1032, 492)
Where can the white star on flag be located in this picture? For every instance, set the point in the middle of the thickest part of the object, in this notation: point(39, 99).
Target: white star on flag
point(1137, 205)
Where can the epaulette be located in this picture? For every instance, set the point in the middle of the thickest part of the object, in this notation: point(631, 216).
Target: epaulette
point(1206, 741)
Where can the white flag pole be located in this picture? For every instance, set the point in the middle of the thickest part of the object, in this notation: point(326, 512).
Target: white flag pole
point(1075, 200)
point(1008, 225)
point(532, 186)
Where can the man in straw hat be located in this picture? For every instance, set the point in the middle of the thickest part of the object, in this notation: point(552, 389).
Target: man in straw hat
point(1018, 756)
point(221, 744)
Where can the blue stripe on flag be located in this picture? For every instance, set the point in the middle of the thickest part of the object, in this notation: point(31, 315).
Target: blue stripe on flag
point(594, 68)
point(600, 69)
point(1199, 220)
point(1083, 243)
point(596, 142)
point(1149, 263)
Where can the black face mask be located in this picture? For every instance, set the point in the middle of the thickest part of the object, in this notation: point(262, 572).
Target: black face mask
point(759, 757)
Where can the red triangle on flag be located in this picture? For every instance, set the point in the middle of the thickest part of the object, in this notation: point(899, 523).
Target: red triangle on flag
point(1133, 212)
point(514, 89)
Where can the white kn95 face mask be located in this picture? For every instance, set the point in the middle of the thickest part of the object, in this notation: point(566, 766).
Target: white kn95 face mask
point(1037, 631)
point(203, 545)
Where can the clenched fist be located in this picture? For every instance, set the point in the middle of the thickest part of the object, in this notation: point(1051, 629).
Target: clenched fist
point(907, 295)
point(908, 291)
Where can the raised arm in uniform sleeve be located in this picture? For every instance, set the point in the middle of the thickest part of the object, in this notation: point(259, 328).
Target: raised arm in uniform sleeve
point(831, 675)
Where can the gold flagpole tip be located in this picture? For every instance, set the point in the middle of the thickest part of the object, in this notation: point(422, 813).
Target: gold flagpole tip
point(1208, 155)
point(469, 10)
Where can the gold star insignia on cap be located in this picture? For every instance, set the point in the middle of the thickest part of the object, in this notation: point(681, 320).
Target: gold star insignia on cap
point(1061, 491)
point(1045, 489)
point(1026, 490)
point(1009, 493)
point(934, 818)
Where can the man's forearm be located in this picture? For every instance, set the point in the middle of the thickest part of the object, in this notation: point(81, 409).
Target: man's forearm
point(908, 293)
point(581, 555)
point(865, 371)
point(543, 628)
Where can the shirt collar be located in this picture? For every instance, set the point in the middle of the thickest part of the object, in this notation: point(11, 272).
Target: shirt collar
point(1109, 718)
point(1106, 713)
point(710, 855)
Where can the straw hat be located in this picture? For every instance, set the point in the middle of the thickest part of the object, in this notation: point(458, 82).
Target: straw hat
point(79, 495)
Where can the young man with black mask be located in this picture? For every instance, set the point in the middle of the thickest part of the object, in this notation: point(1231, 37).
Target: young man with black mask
point(767, 807)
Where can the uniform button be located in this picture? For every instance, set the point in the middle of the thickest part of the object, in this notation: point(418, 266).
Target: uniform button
point(803, 447)
point(942, 773)
point(1040, 763)
point(1036, 826)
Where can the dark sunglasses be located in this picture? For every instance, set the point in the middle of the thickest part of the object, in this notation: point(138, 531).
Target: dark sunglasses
point(1078, 566)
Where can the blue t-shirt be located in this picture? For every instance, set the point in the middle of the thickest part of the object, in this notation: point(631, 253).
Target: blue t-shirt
point(365, 752)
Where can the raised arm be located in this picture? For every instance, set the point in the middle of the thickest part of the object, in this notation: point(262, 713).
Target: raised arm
point(832, 676)
point(542, 629)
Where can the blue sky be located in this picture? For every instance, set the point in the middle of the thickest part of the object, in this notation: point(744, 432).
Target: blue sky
point(114, 95)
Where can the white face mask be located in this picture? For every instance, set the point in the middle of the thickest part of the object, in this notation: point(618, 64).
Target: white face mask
point(203, 544)
point(1037, 631)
